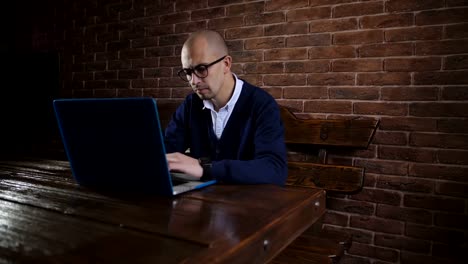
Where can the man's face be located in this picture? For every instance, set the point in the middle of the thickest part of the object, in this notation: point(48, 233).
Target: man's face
point(199, 54)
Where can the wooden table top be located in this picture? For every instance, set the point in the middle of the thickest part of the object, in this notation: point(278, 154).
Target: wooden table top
point(45, 217)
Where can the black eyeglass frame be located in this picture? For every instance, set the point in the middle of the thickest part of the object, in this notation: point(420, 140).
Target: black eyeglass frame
point(186, 73)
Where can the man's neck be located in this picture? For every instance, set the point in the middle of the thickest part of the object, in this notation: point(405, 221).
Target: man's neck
point(224, 94)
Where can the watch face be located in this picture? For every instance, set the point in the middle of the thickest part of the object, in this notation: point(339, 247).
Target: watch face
point(204, 160)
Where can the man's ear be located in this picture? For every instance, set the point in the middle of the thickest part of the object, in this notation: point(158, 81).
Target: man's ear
point(227, 62)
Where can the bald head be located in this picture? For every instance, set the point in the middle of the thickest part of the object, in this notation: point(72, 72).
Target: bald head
point(210, 41)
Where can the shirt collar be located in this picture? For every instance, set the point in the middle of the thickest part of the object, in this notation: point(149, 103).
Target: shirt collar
point(232, 101)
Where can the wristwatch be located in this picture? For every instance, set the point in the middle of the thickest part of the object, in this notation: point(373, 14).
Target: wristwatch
point(205, 163)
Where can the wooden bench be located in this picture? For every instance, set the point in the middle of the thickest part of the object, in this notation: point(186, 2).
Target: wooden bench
point(310, 141)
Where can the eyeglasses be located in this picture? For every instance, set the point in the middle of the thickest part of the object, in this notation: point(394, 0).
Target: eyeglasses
point(201, 70)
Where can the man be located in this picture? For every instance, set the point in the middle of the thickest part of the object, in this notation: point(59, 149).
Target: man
point(233, 130)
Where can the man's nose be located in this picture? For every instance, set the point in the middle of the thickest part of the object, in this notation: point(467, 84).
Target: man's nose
point(195, 79)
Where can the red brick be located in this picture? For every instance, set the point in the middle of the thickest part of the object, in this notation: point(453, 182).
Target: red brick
point(286, 29)
point(358, 93)
point(157, 72)
point(222, 2)
point(244, 32)
point(308, 40)
point(118, 84)
point(328, 107)
point(455, 93)
point(387, 21)
point(348, 259)
point(413, 5)
point(383, 166)
point(144, 42)
point(286, 54)
point(276, 92)
point(118, 45)
point(159, 51)
point(436, 109)
point(386, 50)
point(390, 138)
point(452, 189)
point(333, 25)
point(190, 26)
point(130, 74)
point(95, 66)
point(264, 19)
point(451, 220)
point(183, 5)
point(407, 257)
point(82, 76)
point(209, 13)
point(456, 31)
point(413, 33)
point(403, 243)
point(294, 104)
point(452, 125)
point(413, 64)
point(378, 196)
point(434, 203)
point(441, 47)
point(409, 154)
point(169, 40)
point(235, 45)
point(245, 9)
point(316, 66)
point(274, 5)
point(358, 9)
point(95, 85)
point(132, 14)
point(145, 63)
point(105, 56)
point(456, 62)
point(335, 218)
point(405, 93)
point(442, 16)
point(265, 43)
point(314, 92)
point(173, 61)
point(348, 206)
point(129, 92)
point(357, 65)
point(174, 18)
point(358, 37)
point(443, 172)
point(403, 213)
point(439, 140)
point(159, 30)
point(226, 22)
point(172, 82)
point(266, 67)
point(157, 92)
point(434, 233)
point(284, 79)
point(180, 92)
point(131, 54)
point(148, 83)
point(377, 224)
point(119, 64)
point(104, 93)
point(453, 156)
point(388, 78)
point(105, 75)
point(254, 79)
point(330, 79)
point(308, 14)
point(381, 108)
point(332, 52)
point(409, 124)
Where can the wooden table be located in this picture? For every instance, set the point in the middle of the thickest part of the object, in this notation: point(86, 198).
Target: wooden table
point(45, 217)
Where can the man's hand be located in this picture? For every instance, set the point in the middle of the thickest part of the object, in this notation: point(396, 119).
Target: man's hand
point(185, 164)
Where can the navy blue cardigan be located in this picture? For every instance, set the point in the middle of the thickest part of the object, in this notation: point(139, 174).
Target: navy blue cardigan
point(251, 149)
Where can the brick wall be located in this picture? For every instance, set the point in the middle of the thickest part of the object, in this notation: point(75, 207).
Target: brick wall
point(404, 62)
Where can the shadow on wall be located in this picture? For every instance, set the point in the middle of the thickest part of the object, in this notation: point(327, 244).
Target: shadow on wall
point(30, 81)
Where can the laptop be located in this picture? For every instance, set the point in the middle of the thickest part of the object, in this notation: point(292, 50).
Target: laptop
point(116, 144)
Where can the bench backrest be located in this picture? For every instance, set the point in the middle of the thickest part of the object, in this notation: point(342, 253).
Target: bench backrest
point(319, 135)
